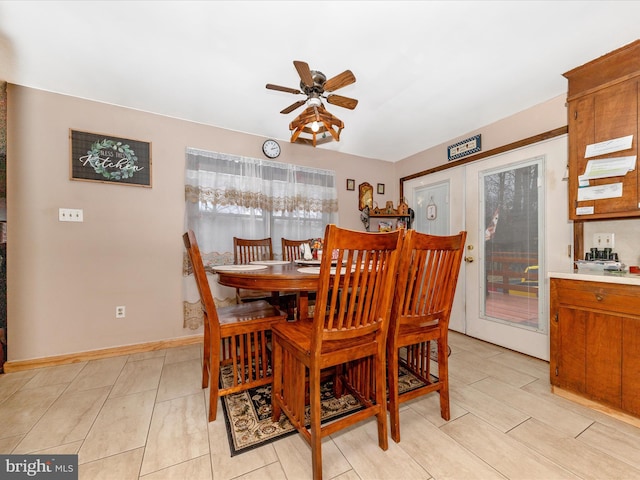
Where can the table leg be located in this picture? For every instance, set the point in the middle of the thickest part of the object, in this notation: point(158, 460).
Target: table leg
point(303, 305)
point(275, 298)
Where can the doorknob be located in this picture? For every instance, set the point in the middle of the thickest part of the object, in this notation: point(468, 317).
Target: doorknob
point(469, 259)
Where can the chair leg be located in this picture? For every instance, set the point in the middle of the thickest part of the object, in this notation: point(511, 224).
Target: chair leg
point(394, 406)
point(214, 385)
point(443, 378)
point(315, 426)
point(381, 401)
point(206, 354)
point(206, 367)
point(276, 378)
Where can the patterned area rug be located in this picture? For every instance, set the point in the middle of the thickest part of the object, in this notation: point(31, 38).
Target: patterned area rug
point(248, 414)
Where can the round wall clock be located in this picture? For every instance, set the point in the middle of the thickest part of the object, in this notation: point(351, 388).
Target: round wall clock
point(271, 148)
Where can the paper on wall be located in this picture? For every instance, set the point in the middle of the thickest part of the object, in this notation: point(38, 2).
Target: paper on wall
point(612, 190)
point(608, 167)
point(584, 211)
point(608, 146)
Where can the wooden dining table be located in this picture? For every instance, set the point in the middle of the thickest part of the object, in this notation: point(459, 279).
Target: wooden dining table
point(275, 278)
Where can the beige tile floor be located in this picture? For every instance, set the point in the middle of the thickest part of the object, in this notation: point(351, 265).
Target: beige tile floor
point(144, 417)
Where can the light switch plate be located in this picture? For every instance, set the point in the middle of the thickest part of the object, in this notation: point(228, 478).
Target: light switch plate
point(603, 240)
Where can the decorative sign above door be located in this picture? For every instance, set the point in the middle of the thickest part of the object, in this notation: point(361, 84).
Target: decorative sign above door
point(464, 148)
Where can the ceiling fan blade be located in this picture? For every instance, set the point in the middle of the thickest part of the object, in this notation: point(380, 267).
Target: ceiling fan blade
point(293, 106)
point(341, 80)
point(341, 101)
point(282, 89)
point(305, 72)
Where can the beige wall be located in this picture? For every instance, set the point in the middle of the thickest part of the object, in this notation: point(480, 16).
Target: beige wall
point(65, 279)
point(626, 237)
point(538, 119)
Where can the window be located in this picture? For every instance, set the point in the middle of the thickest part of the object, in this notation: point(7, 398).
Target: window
point(227, 196)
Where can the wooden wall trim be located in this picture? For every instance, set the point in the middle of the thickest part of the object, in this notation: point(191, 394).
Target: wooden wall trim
point(578, 241)
point(595, 405)
point(20, 365)
point(489, 153)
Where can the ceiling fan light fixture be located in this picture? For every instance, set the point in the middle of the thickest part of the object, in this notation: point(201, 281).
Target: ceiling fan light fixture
point(314, 102)
point(312, 126)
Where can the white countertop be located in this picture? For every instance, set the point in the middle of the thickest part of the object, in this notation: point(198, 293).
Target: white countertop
point(598, 276)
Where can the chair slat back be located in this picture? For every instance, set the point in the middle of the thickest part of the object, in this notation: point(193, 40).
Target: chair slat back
point(427, 278)
point(358, 301)
point(247, 251)
point(291, 249)
point(206, 298)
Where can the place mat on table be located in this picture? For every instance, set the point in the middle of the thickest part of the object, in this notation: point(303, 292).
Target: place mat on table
point(302, 261)
point(237, 268)
point(316, 270)
point(269, 262)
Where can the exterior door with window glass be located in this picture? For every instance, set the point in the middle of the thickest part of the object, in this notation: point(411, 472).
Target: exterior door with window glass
point(509, 306)
point(438, 204)
point(514, 209)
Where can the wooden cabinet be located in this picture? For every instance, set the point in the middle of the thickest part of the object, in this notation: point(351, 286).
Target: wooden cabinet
point(603, 105)
point(595, 341)
point(631, 363)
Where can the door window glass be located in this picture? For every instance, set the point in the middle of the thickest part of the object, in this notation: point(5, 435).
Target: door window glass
point(511, 200)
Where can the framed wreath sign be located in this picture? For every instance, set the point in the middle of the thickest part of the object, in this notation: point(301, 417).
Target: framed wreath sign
point(107, 159)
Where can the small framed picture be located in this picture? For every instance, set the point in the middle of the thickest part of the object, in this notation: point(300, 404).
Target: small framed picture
point(381, 189)
point(351, 184)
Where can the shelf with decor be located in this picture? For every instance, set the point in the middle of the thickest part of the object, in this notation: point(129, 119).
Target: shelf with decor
point(393, 223)
point(388, 218)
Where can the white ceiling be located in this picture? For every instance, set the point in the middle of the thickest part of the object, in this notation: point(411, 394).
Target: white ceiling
point(427, 71)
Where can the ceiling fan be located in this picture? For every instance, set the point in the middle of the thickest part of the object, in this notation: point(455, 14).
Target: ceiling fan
point(315, 120)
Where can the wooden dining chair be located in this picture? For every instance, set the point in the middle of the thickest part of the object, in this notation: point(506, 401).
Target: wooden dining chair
point(290, 252)
point(246, 251)
point(291, 249)
point(350, 337)
point(235, 337)
point(426, 284)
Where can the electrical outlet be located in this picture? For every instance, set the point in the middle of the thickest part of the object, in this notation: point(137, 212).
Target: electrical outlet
point(603, 240)
point(120, 311)
point(70, 215)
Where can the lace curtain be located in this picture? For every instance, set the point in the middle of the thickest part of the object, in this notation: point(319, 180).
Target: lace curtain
point(230, 196)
